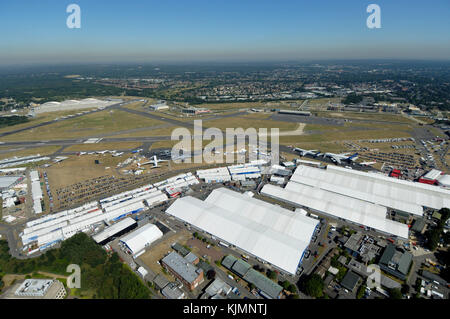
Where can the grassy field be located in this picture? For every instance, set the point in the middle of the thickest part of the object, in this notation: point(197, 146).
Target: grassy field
point(45, 117)
point(89, 125)
point(80, 168)
point(250, 121)
point(47, 150)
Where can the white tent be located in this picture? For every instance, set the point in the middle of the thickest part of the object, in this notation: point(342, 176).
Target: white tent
point(269, 232)
point(141, 238)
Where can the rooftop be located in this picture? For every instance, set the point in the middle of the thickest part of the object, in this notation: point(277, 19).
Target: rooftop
point(182, 267)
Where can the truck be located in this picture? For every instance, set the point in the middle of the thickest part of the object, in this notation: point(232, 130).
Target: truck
point(221, 243)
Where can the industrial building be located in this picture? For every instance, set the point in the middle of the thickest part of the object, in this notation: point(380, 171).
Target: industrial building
point(396, 262)
point(141, 238)
point(240, 172)
point(190, 275)
point(116, 230)
point(271, 233)
point(7, 182)
point(51, 229)
point(359, 197)
point(36, 192)
point(159, 106)
point(73, 105)
point(291, 112)
point(267, 288)
point(37, 289)
point(337, 206)
point(375, 188)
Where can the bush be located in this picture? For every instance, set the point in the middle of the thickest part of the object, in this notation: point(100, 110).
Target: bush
point(314, 286)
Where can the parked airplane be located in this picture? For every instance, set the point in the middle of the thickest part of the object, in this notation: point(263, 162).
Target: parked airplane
point(338, 158)
point(102, 152)
point(154, 161)
point(367, 163)
point(306, 152)
point(117, 154)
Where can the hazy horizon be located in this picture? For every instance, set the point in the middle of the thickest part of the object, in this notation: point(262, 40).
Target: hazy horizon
point(206, 31)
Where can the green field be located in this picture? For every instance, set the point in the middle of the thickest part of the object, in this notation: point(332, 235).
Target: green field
point(85, 126)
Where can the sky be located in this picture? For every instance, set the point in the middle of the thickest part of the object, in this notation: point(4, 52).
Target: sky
point(35, 31)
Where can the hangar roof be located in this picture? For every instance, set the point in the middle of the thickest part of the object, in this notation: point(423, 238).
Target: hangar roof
point(272, 233)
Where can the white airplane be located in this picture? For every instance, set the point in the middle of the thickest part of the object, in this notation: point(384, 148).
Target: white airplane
point(367, 163)
point(338, 158)
point(242, 151)
point(154, 161)
point(306, 152)
point(257, 151)
point(82, 153)
point(102, 152)
point(117, 154)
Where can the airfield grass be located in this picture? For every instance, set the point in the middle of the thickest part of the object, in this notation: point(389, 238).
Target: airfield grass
point(76, 169)
point(19, 152)
point(41, 118)
point(256, 121)
point(86, 126)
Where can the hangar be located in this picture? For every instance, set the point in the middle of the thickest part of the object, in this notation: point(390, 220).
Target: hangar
point(117, 229)
point(141, 238)
point(269, 232)
point(338, 206)
point(364, 186)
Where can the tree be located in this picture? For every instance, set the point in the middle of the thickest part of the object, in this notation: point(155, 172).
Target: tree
point(314, 286)
point(211, 274)
point(271, 274)
point(292, 288)
point(395, 293)
point(361, 291)
point(405, 289)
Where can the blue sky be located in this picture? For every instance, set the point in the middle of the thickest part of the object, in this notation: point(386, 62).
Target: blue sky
point(212, 30)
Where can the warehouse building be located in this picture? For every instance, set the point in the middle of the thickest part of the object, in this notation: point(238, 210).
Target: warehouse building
point(116, 230)
point(267, 288)
point(190, 275)
point(269, 232)
point(395, 262)
point(37, 289)
point(375, 188)
point(7, 182)
point(337, 206)
point(141, 238)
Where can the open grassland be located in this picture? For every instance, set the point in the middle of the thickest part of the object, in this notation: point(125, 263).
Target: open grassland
point(255, 120)
point(80, 168)
point(86, 126)
point(345, 135)
point(8, 152)
point(41, 118)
